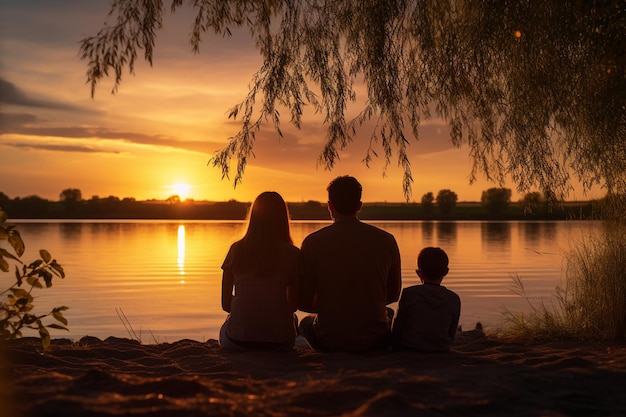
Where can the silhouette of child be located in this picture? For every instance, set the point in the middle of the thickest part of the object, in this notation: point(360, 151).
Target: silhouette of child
point(428, 314)
point(263, 269)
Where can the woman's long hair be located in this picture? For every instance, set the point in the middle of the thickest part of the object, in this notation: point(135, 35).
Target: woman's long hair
point(268, 227)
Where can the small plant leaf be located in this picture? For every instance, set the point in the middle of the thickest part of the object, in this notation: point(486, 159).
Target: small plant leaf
point(16, 242)
point(19, 292)
point(57, 326)
point(62, 308)
point(34, 282)
point(18, 276)
point(58, 269)
point(59, 317)
point(4, 252)
point(4, 265)
point(44, 334)
point(45, 255)
point(35, 264)
point(47, 277)
point(30, 319)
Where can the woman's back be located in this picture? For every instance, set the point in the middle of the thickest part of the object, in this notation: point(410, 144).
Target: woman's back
point(261, 272)
point(260, 310)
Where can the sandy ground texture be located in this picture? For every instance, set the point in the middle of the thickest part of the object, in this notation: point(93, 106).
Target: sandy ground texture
point(480, 377)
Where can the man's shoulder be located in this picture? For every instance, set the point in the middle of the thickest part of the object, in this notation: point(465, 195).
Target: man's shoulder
point(319, 233)
point(358, 227)
point(318, 239)
point(377, 230)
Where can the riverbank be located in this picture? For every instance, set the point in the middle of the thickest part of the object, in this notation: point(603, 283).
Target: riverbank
point(104, 209)
point(482, 376)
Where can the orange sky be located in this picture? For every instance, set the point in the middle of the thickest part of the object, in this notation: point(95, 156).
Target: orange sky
point(166, 121)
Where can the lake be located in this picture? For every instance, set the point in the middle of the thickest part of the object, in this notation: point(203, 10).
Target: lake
point(163, 278)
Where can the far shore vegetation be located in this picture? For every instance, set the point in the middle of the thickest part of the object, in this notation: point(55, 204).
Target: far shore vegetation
point(495, 205)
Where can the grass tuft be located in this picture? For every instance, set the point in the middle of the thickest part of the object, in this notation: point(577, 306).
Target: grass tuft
point(590, 303)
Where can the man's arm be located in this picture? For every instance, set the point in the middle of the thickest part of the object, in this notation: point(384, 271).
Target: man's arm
point(394, 280)
point(398, 326)
point(307, 294)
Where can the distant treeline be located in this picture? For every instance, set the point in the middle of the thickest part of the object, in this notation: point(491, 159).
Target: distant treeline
point(115, 208)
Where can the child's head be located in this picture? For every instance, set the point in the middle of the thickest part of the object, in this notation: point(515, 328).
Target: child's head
point(432, 264)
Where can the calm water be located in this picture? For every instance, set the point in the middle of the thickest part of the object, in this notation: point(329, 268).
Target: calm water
point(165, 276)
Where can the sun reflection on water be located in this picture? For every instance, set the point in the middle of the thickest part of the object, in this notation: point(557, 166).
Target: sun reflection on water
point(181, 251)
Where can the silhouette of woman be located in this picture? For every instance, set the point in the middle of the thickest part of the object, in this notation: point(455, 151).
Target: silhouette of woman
point(260, 275)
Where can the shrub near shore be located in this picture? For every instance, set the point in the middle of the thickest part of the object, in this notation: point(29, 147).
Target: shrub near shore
point(17, 312)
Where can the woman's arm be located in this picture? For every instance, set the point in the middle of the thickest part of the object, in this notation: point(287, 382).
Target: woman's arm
point(292, 296)
point(227, 290)
point(293, 284)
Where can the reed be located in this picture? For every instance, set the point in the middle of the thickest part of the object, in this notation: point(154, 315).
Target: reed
point(132, 334)
point(596, 274)
point(590, 303)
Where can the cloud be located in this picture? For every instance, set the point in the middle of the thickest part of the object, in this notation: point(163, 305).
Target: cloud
point(61, 148)
point(12, 95)
point(50, 23)
point(29, 125)
point(9, 120)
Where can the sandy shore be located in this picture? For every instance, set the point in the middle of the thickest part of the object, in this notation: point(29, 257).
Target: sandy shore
point(480, 377)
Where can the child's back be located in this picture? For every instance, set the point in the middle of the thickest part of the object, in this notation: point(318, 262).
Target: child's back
point(428, 314)
point(427, 319)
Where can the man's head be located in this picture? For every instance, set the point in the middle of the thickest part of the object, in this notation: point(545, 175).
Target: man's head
point(432, 264)
point(344, 195)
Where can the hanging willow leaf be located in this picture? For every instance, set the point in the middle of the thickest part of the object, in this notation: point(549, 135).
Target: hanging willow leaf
point(533, 89)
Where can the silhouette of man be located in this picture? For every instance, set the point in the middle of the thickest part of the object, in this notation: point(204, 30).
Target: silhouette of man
point(351, 273)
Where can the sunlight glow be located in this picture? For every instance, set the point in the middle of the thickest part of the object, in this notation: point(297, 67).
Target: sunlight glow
point(181, 189)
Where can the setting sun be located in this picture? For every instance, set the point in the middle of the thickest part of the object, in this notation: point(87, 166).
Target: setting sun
point(180, 189)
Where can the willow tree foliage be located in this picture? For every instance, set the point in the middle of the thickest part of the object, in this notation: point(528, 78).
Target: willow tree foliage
point(535, 89)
